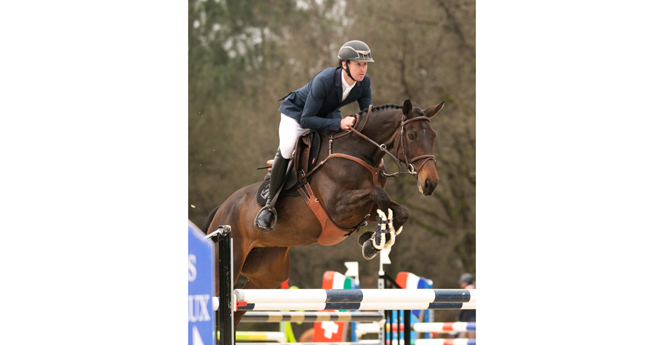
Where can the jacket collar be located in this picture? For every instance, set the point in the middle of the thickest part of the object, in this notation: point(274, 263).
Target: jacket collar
point(338, 78)
point(339, 87)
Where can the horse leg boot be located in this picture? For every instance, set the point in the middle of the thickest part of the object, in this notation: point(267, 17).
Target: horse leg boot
point(267, 214)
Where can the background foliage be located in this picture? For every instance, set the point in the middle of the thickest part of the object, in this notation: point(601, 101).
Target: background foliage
point(244, 55)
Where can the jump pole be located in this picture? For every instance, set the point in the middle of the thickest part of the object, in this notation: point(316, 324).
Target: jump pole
point(356, 296)
point(227, 301)
point(423, 327)
point(312, 317)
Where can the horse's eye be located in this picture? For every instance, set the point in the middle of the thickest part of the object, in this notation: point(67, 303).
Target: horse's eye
point(411, 136)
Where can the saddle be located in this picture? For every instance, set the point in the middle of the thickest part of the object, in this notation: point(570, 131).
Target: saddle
point(305, 159)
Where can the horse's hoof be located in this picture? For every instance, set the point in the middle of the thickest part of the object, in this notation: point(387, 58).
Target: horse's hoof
point(365, 237)
point(266, 219)
point(368, 250)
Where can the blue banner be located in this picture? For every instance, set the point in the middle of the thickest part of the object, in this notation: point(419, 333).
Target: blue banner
point(201, 317)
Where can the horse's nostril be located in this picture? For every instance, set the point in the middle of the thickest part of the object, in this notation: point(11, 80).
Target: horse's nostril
point(427, 184)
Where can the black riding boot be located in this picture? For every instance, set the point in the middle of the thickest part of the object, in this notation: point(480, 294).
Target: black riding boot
point(277, 175)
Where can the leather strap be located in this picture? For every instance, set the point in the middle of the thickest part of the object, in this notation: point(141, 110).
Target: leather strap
point(331, 233)
point(364, 124)
point(374, 170)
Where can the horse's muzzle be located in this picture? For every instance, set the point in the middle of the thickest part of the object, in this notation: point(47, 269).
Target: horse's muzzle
point(427, 188)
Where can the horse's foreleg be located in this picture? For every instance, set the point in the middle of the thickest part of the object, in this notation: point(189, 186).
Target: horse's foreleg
point(399, 213)
point(347, 211)
point(380, 198)
point(399, 217)
point(390, 225)
point(349, 206)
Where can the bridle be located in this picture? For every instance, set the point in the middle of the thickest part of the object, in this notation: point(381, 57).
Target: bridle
point(408, 162)
point(376, 170)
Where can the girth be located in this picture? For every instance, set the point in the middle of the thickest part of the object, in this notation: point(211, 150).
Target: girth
point(331, 233)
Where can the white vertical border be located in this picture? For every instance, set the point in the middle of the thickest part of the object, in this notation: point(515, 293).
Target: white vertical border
point(93, 137)
point(567, 147)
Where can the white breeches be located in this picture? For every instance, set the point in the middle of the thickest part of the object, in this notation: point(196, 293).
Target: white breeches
point(290, 130)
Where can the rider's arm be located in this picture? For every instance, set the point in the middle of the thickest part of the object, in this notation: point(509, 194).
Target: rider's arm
point(319, 90)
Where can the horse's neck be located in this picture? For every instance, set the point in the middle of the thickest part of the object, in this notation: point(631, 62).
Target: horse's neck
point(384, 127)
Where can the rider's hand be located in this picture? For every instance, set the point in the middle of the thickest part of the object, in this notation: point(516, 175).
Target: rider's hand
point(347, 122)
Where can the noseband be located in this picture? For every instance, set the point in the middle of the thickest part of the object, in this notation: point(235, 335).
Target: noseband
point(409, 162)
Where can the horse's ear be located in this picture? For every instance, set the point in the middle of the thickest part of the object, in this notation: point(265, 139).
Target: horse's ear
point(407, 107)
point(431, 111)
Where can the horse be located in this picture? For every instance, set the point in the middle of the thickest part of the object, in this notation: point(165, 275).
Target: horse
point(351, 193)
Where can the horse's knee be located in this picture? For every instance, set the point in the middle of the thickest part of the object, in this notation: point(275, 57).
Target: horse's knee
point(380, 197)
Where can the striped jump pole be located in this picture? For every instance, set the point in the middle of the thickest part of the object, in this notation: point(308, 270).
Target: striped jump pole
point(356, 296)
point(365, 342)
point(357, 299)
point(422, 327)
point(438, 341)
point(434, 341)
point(445, 327)
point(260, 336)
point(353, 306)
point(311, 317)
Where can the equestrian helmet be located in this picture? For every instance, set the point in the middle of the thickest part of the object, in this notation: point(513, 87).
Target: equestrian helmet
point(466, 278)
point(355, 51)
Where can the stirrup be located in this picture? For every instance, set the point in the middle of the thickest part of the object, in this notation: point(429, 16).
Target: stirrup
point(266, 229)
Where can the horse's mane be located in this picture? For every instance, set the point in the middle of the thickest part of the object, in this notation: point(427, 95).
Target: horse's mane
point(384, 106)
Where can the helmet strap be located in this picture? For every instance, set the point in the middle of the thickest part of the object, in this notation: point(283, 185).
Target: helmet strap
point(347, 70)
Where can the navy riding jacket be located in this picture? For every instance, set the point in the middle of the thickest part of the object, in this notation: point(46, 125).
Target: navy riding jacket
point(316, 105)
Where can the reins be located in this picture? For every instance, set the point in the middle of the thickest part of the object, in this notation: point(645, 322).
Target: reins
point(375, 170)
point(307, 193)
point(408, 163)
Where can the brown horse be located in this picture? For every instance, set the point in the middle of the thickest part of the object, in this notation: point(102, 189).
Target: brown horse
point(343, 187)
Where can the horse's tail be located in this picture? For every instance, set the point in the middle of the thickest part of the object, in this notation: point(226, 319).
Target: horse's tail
point(209, 219)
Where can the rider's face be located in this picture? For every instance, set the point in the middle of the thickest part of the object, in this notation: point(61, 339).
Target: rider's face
point(358, 69)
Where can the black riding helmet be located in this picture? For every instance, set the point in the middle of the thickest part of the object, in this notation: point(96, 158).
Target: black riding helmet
point(354, 51)
point(466, 278)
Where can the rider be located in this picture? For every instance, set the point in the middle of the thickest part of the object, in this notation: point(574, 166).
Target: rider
point(316, 106)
